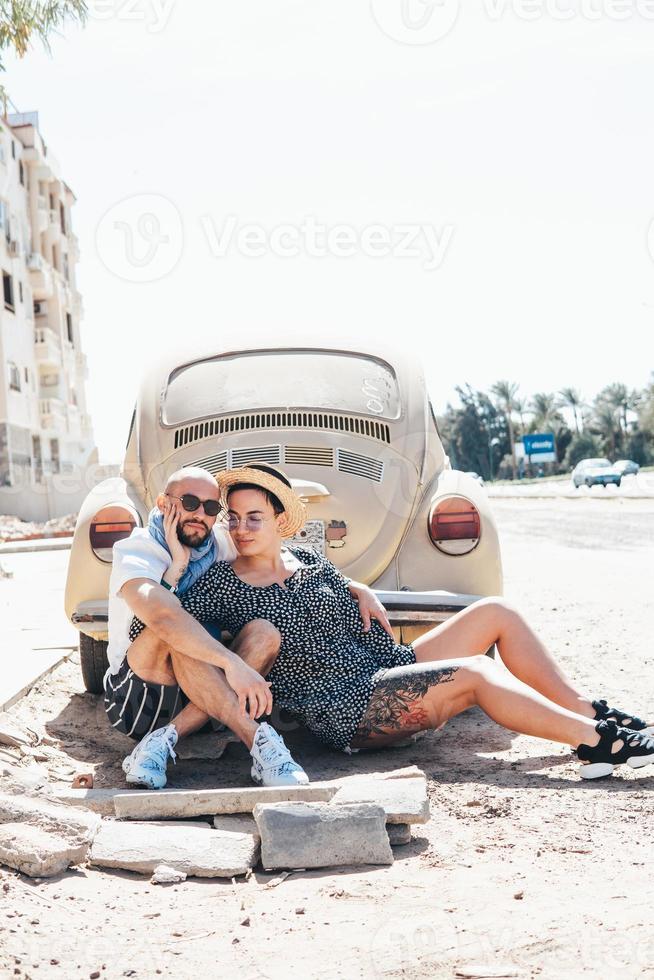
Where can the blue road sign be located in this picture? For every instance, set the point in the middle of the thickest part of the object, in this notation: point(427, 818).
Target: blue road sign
point(541, 446)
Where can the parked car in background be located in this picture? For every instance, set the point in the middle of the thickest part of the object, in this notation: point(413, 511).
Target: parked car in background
point(590, 472)
point(626, 467)
point(355, 432)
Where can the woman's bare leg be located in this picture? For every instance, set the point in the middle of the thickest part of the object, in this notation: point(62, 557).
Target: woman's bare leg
point(422, 696)
point(475, 629)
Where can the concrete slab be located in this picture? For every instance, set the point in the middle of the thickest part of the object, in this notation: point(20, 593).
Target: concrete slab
point(64, 820)
point(99, 800)
point(142, 847)
point(164, 803)
point(37, 852)
point(237, 823)
point(320, 835)
point(404, 800)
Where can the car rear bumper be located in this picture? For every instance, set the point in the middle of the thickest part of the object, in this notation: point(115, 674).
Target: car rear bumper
point(92, 617)
point(404, 609)
point(409, 608)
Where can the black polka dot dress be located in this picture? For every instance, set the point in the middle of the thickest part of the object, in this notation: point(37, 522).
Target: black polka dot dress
point(327, 666)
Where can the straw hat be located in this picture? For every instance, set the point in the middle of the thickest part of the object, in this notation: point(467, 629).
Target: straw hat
point(276, 482)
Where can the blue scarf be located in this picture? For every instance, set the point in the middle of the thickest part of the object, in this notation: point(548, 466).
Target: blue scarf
point(201, 559)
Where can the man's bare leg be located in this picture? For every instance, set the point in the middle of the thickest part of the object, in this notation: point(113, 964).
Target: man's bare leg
point(149, 658)
point(475, 629)
point(423, 696)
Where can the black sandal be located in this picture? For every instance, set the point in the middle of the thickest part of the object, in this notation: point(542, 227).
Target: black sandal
point(621, 718)
point(600, 760)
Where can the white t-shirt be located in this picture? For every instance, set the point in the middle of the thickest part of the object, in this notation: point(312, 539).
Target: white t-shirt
point(140, 556)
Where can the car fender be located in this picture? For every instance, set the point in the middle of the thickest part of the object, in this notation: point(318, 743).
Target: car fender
point(421, 566)
point(88, 576)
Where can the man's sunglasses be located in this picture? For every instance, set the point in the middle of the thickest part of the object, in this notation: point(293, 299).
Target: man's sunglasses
point(192, 503)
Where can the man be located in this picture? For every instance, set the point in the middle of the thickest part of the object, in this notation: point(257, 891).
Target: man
point(153, 692)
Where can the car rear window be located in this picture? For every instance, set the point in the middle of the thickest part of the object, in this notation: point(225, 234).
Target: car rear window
point(295, 379)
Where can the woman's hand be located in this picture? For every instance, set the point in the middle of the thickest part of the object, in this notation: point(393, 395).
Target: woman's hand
point(370, 607)
point(180, 553)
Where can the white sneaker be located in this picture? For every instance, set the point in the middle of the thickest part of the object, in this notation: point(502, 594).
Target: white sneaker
point(272, 763)
point(146, 764)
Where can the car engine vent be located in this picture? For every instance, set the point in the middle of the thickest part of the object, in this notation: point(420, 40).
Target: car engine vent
point(215, 464)
point(309, 455)
point(282, 420)
point(365, 466)
point(256, 454)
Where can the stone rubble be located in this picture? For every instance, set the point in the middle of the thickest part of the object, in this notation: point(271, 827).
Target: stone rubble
point(350, 821)
point(12, 528)
point(317, 835)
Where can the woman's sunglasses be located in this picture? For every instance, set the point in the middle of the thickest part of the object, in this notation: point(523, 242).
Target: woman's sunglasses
point(192, 503)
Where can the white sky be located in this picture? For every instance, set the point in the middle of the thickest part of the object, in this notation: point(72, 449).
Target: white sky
point(527, 145)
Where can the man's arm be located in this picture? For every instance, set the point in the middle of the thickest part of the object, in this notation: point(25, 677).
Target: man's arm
point(369, 606)
point(161, 612)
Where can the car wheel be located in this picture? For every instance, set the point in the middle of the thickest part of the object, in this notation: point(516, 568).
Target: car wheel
point(618, 482)
point(93, 655)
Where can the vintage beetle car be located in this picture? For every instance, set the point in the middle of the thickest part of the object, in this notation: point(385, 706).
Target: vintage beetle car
point(353, 428)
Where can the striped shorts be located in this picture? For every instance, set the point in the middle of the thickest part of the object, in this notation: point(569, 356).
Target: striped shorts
point(136, 707)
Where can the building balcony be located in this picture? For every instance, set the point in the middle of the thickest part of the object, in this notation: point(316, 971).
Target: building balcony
point(53, 414)
point(47, 347)
point(73, 246)
point(81, 364)
point(41, 279)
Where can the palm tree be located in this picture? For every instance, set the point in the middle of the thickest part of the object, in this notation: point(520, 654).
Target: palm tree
point(545, 408)
point(571, 398)
point(620, 398)
point(520, 406)
point(505, 392)
point(606, 420)
point(21, 22)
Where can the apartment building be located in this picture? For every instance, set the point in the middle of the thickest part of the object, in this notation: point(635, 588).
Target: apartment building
point(46, 439)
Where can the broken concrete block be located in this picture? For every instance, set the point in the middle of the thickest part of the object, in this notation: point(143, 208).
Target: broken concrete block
point(406, 772)
point(36, 852)
point(404, 800)
point(165, 875)
point(13, 734)
point(398, 833)
point(64, 820)
point(99, 800)
point(237, 823)
point(203, 852)
point(318, 835)
point(163, 803)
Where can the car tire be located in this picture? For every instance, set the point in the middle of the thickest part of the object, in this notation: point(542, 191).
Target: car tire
point(93, 657)
point(618, 482)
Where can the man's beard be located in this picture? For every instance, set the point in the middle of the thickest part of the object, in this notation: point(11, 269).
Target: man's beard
point(196, 541)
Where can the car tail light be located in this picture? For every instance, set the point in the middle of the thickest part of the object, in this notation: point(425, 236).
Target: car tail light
point(109, 525)
point(454, 525)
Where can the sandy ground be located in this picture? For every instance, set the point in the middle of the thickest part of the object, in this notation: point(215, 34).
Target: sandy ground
point(523, 870)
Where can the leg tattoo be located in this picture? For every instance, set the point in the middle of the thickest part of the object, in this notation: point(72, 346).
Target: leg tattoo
point(396, 702)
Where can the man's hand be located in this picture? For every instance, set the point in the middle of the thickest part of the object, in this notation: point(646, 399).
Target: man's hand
point(252, 691)
point(370, 607)
point(179, 552)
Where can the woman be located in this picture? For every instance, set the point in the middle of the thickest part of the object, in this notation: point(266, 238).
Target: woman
point(358, 689)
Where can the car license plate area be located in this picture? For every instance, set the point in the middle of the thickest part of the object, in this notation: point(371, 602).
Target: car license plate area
point(312, 535)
